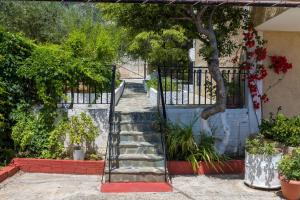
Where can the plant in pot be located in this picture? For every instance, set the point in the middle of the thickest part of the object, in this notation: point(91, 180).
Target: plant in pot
point(289, 169)
point(261, 163)
point(282, 129)
point(82, 132)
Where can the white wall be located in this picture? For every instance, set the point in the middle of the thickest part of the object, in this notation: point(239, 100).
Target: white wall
point(237, 119)
point(100, 115)
point(241, 122)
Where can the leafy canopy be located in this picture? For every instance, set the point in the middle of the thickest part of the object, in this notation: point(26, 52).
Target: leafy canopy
point(137, 18)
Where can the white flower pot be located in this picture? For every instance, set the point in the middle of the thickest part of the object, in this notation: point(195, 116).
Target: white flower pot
point(261, 171)
point(78, 155)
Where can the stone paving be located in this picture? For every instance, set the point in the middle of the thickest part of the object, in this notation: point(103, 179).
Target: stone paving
point(37, 186)
point(134, 98)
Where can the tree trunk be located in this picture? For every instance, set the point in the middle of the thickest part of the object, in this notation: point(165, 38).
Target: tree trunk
point(213, 63)
point(214, 70)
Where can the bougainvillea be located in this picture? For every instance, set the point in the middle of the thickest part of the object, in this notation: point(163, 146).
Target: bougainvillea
point(256, 54)
point(280, 64)
point(253, 65)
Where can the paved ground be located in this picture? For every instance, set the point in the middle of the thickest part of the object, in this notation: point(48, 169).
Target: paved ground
point(35, 186)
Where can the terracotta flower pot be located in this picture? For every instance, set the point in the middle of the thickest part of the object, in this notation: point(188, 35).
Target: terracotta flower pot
point(290, 189)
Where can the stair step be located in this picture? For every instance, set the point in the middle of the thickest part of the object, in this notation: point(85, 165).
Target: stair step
point(136, 116)
point(136, 136)
point(129, 147)
point(138, 170)
point(153, 157)
point(140, 160)
point(136, 174)
point(136, 126)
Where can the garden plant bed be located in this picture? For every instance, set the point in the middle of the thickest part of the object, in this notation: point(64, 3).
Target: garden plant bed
point(185, 168)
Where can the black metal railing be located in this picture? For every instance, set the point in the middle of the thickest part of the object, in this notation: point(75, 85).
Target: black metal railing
point(86, 93)
point(110, 151)
point(195, 86)
point(163, 120)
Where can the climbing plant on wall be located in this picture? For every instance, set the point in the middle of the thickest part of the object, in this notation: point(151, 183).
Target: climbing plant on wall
point(253, 64)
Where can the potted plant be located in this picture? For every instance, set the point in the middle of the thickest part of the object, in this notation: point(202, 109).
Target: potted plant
point(82, 132)
point(289, 168)
point(261, 163)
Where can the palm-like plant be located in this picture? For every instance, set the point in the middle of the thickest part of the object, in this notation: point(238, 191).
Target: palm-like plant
point(182, 145)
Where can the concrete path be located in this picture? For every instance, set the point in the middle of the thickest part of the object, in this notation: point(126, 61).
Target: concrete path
point(134, 98)
point(35, 186)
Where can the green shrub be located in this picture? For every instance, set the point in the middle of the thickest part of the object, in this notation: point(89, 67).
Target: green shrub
point(282, 129)
point(14, 49)
point(166, 84)
point(289, 166)
point(32, 132)
point(182, 145)
point(82, 130)
point(259, 145)
point(48, 68)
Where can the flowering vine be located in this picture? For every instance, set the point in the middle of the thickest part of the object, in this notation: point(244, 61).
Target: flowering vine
point(255, 55)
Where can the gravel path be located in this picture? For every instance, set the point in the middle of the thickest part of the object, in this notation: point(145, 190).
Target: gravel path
point(37, 186)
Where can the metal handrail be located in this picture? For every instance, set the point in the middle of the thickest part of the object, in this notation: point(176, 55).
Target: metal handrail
point(163, 120)
point(111, 125)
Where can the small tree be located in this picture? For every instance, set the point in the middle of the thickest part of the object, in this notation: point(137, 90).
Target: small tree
point(167, 47)
point(212, 25)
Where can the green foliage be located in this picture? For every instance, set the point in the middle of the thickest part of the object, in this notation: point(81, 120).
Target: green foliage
point(289, 166)
point(81, 130)
point(182, 145)
point(48, 21)
point(166, 84)
point(35, 74)
point(139, 18)
point(259, 145)
point(30, 18)
point(47, 67)
point(55, 142)
point(76, 43)
point(166, 47)
point(31, 132)
point(106, 47)
point(14, 49)
point(282, 129)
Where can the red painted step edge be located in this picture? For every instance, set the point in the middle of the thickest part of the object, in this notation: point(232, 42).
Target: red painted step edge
point(135, 187)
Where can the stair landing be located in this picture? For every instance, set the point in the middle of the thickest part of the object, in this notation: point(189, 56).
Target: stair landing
point(134, 98)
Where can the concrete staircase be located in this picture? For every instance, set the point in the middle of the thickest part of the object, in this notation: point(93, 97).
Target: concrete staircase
point(138, 149)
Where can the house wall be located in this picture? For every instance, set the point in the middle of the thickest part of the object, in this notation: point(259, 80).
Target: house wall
point(287, 93)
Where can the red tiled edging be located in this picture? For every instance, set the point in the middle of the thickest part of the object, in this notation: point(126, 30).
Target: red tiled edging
point(59, 166)
point(135, 187)
point(8, 172)
point(96, 167)
point(184, 167)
